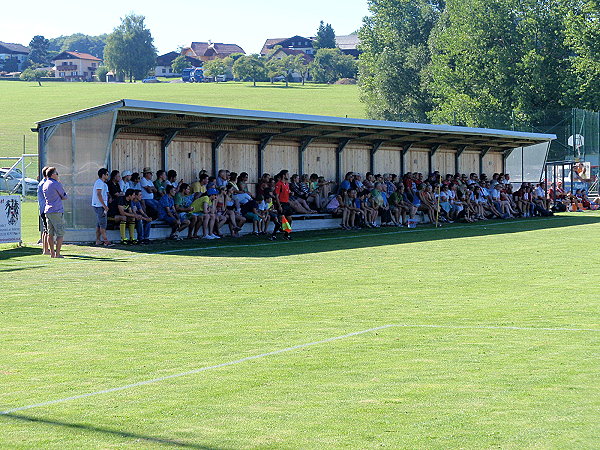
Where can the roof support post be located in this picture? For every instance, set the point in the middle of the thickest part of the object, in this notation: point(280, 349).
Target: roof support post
point(403, 153)
point(374, 149)
point(44, 135)
point(301, 149)
point(459, 151)
point(114, 131)
point(71, 188)
point(164, 147)
point(264, 141)
point(215, 151)
point(481, 156)
point(432, 151)
point(338, 158)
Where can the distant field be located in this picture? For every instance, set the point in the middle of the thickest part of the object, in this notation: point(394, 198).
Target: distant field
point(470, 336)
point(22, 104)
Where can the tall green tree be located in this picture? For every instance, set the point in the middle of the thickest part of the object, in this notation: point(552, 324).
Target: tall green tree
point(394, 41)
point(39, 47)
point(130, 48)
point(215, 68)
point(250, 68)
point(325, 36)
point(330, 64)
point(179, 64)
point(583, 37)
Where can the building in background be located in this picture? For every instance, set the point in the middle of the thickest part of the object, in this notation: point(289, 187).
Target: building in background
point(75, 66)
point(12, 56)
point(348, 44)
point(207, 51)
point(163, 64)
point(294, 43)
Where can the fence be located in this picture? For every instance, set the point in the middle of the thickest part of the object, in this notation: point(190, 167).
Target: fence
point(14, 178)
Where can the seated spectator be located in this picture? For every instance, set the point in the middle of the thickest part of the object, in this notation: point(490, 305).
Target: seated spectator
point(203, 206)
point(160, 184)
point(114, 193)
point(169, 214)
point(172, 179)
point(199, 187)
point(148, 191)
point(134, 182)
point(126, 218)
point(125, 179)
point(143, 220)
point(183, 206)
point(251, 213)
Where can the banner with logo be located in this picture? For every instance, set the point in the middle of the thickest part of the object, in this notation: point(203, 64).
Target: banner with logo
point(10, 218)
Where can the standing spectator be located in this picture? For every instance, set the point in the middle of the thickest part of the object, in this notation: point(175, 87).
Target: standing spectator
point(42, 206)
point(54, 194)
point(114, 193)
point(282, 199)
point(100, 205)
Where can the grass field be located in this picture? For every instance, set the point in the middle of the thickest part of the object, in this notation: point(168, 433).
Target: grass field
point(23, 103)
point(494, 341)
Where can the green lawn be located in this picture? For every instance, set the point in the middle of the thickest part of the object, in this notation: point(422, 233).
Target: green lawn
point(106, 318)
point(24, 103)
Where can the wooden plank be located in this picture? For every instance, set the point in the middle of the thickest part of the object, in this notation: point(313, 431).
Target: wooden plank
point(355, 158)
point(280, 155)
point(320, 159)
point(387, 161)
point(417, 161)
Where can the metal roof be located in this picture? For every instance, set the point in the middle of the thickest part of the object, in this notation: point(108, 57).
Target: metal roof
point(157, 118)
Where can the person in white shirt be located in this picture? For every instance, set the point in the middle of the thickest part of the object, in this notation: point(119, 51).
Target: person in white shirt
point(148, 190)
point(125, 178)
point(100, 205)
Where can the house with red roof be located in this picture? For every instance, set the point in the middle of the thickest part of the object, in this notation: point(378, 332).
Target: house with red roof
point(207, 51)
point(75, 66)
point(294, 43)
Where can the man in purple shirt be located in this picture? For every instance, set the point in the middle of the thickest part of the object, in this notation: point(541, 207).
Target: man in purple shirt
point(42, 207)
point(54, 194)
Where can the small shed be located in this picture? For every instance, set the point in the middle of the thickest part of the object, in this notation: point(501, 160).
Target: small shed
point(132, 134)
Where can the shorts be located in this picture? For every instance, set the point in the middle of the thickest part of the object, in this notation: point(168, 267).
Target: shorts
point(286, 209)
point(101, 217)
point(44, 223)
point(56, 224)
point(183, 216)
point(253, 217)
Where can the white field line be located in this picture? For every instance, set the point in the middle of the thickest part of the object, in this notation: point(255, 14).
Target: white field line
point(284, 350)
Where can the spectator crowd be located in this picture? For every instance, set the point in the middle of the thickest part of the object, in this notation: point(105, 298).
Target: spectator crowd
point(200, 209)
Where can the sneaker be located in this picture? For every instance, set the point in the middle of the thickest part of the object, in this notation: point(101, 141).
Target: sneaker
point(208, 236)
point(272, 237)
point(214, 236)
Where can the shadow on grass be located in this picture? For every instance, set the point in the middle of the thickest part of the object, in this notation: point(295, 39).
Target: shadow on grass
point(283, 86)
point(17, 269)
point(21, 252)
point(103, 430)
point(332, 240)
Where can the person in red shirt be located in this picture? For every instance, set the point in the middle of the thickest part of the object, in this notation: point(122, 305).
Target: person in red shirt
point(282, 202)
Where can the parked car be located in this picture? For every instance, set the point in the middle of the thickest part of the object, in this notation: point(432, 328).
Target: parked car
point(151, 80)
point(192, 75)
point(11, 181)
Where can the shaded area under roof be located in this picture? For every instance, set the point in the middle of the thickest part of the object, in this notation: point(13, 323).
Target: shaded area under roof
point(157, 118)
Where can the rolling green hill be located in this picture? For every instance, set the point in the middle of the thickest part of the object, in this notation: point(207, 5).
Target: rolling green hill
point(23, 103)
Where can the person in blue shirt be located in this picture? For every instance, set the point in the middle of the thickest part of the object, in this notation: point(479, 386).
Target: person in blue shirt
point(168, 213)
point(42, 206)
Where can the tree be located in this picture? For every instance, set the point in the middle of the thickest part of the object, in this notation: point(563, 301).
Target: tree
point(10, 65)
point(331, 64)
point(179, 64)
point(93, 45)
point(130, 48)
point(39, 47)
point(215, 68)
point(274, 68)
point(31, 74)
point(101, 73)
point(250, 67)
point(325, 36)
point(583, 37)
point(395, 53)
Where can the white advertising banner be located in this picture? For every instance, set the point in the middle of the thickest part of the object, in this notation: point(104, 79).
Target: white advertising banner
point(10, 218)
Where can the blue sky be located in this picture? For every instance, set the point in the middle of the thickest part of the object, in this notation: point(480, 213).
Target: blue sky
point(179, 22)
